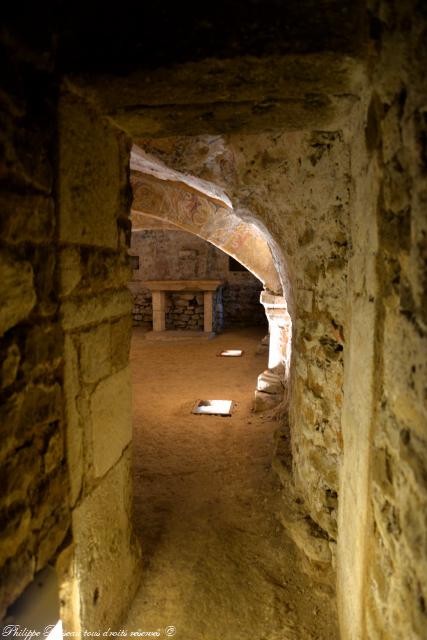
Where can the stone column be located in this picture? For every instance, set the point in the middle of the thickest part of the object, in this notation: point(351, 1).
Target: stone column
point(279, 327)
point(159, 309)
point(208, 310)
point(270, 385)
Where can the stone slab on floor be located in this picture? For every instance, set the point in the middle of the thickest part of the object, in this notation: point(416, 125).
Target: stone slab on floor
point(172, 335)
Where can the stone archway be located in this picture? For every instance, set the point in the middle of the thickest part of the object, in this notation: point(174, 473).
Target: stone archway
point(205, 210)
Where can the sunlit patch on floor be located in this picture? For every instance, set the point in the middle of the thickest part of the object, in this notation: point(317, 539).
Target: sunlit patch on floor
point(231, 353)
point(213, 407)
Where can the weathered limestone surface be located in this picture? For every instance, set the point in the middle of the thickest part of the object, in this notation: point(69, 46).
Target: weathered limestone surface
point(77, 193)
point(111, 416)
point(17, 295)
point(239, 94)
point(358, 402)
point(99, 570)
point(75, 433)
point(396, 561)
point(80, 312)
point(34, 507)
point(105, 548)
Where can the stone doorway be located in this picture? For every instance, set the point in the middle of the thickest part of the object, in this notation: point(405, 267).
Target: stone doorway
point(178, 483)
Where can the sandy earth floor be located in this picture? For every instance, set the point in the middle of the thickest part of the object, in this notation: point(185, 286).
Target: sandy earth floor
point(217, 563)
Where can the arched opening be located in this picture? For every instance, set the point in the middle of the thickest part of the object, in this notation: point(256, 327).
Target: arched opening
point(184, 517)
point(204, 209)
point(179, 261)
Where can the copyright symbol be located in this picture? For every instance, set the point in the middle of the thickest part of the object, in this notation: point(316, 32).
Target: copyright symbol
point(170, 631)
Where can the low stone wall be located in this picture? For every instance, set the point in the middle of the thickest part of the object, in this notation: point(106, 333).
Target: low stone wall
point(185, 311)
point(142, 312)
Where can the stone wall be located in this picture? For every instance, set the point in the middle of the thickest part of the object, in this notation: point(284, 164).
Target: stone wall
point(174, 254)
point(94, 233)
point(347, 207)
point(240, 301)
point(395, 563)
point(34, 503)
point(65, 458)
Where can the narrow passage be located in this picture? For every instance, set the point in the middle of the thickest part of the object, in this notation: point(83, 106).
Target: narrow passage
point(217, 563)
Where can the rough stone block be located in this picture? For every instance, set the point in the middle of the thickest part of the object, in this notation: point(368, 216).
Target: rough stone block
point(17, 294)
point(305, 300)
point(9, 419)
point(111, 420)
point(106, 558)
point(10, 366)
point(44, 266)
point(404, 371)
point(120, 342)
point(42, 404)
point(17, 473)
point(95, 353)
point(54, 453)
point(26, 218)
point(15, 531)
point(16, 574)
point(21, 165)
point(52, 493)
point(103, 269)
point(24, 411)
point(94, 309)
point(52, 536)
point(73, 426)
point(69, 269)
point(93, 174)
point(44, 346)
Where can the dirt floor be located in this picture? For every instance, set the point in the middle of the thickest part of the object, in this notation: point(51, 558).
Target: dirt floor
point(217, 563)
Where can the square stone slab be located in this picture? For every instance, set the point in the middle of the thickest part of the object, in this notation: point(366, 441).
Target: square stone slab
point(231, 353)
point(213, 407)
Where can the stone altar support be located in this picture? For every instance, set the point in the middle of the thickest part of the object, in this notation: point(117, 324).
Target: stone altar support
point(160, 287)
